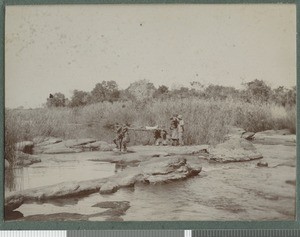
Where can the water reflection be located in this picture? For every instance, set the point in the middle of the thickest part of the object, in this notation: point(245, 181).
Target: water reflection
point(56, 169)
point(119, 167)
point(10, 179)
point(13, 215)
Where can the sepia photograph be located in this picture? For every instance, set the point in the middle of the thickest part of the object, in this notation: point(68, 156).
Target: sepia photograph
point(150, 112)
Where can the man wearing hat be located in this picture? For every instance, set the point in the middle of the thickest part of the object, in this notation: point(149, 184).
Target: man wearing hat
point(180, 130)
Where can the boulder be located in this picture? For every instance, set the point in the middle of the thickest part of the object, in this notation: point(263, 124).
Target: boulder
point(25, 146)
point(234, 150)
point(275, 137)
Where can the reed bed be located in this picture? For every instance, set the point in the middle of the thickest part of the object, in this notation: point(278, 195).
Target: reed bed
point(206, 121)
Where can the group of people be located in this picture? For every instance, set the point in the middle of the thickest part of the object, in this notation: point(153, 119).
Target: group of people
point(161, 136)
point(176, 131)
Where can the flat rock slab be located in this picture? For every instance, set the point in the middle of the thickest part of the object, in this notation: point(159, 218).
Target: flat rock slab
point(67, 146)
point(99, 146)
point(153, 171)
point(24, 159)
point(78, 142)
point(41, 141)
point(56, 217)
point(169, 150)
point(234, 150)
point(115, 208)
point(61, 150)
point(275, 137)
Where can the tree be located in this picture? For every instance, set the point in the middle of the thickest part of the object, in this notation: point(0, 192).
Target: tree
point(80, 98)
point(56, 100)
point(142, 89)
point(291, 96)
point(105, 91)
point(220, 92)
point(257, 90)
point(161, 90)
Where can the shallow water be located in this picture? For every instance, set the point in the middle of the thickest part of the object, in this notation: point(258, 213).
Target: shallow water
point(234, 191)
point(55, 169)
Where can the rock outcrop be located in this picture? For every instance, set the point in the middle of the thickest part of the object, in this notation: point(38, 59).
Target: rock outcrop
point(234, 150)
point(154, 170)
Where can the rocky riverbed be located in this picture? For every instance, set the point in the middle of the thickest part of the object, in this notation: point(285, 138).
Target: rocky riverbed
point(241, 179)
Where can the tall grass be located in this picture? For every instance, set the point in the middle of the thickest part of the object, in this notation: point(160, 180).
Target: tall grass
point(206, 121)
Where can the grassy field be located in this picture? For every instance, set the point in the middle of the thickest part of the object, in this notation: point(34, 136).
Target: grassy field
point(206, 121)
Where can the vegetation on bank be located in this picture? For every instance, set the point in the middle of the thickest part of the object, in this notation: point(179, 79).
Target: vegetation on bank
point(207, 116)
point(254, 91)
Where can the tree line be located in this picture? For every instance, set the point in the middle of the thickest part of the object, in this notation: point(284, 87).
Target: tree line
point(254, 91)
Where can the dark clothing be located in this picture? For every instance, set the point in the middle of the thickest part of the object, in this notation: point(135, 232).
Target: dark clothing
point(160, 136)
point(157, 133)
point(174, 123)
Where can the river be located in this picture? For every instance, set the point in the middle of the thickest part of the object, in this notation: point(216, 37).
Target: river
point(233, 191)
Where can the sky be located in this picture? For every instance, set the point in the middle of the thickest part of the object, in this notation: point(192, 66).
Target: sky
point(60, 48)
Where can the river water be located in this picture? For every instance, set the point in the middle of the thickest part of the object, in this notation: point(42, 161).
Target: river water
point(236, 191)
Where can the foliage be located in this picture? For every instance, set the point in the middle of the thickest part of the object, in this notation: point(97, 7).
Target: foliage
point(105, 91)
point(161, 91)
point(56, 100)
point(257, 90)
point(80, 98)
point(141, 90)
point(207, 121)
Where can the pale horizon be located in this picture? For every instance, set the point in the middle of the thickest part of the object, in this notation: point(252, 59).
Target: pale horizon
point(51, 49)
